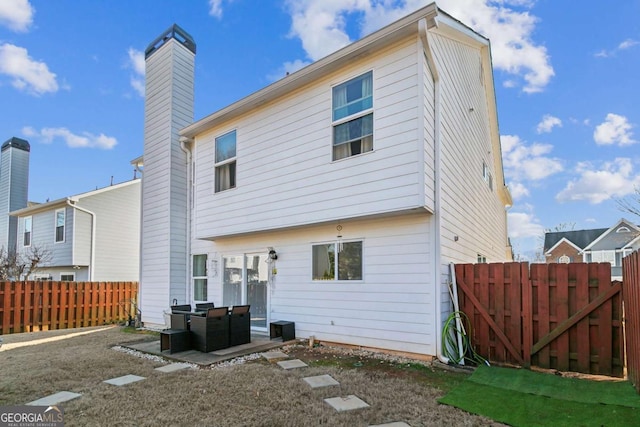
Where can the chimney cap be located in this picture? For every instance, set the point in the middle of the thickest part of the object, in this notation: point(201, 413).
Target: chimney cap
point(17, 143)
point(173, 32)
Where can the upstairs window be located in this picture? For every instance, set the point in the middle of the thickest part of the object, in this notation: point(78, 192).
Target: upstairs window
point(28, 224)
point(481, 259)
point(353, 117)
point(60, 220)
point(486, 175)
point(225, 164)
point(337, 261)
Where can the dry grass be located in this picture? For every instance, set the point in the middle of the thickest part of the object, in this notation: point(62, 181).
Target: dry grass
point(253, 394)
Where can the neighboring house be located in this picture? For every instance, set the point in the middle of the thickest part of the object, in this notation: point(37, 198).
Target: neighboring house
point(93, 236)
point(595, 245)
point(337, 196)
point(14, 186)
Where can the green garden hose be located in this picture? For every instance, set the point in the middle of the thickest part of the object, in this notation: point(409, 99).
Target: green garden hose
point(450, 344)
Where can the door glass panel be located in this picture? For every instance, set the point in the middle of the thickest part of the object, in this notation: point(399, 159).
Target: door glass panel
point(257, 279)
point(232, 280)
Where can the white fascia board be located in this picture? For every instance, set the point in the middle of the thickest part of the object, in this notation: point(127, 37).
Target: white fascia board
point(564, 239)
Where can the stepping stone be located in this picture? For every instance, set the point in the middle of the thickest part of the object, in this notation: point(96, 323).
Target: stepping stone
point(124, 380)
point(348, 403)
point(321, 381)
point(292, 364)
point(54, 399)
point(172, 367)
point(270, 355)
point(394, 424)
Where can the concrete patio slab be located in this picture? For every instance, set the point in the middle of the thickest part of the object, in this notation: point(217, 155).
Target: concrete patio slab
point(258, 344)
point(394, 424)
point(292, 364)
point(124, 380)
point(321, 381)
point(348, 403)
point(172, 367)
point(54, 399)
point(271, 355)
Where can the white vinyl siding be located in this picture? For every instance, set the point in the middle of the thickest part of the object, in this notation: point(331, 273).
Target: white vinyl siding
point(391, 307)
point(286, 156)
point(168, 108)
point(470, 209)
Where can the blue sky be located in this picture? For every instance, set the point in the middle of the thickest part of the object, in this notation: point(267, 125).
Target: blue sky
point(72, 84)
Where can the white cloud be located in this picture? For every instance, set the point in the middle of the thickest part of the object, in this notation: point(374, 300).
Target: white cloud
point(614, 130)
point(548, 123)
point(518, 190)
point(522, 224)
point(215, 8)
point(321, 25)
point(527, 162)
point(624, 45)
point(137, 64)
point(84, 140)
point(17, 15)
point(595, 185)
point(26, 73)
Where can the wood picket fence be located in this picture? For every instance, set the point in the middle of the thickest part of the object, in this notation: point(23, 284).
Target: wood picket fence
point(631, 291)
point(45, 305)
point(556, 316)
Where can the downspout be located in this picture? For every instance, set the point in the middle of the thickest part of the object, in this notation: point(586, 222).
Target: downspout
point(93, 236)
point(436, 226)
point(183, 146)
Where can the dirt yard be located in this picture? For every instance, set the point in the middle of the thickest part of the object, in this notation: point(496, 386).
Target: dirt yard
point(255, 393)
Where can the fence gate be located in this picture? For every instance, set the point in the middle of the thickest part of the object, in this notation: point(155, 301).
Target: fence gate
point(555, 316)
point(631, 296)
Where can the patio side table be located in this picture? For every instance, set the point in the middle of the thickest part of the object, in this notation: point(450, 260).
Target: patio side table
point(284, 329)
point(174, 340)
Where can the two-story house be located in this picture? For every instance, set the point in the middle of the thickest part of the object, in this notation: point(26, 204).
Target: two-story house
point(594, 245)
point(335, 197)
point(93, 236)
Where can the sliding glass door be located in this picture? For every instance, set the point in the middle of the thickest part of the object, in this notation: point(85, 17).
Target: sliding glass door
point(245, 281)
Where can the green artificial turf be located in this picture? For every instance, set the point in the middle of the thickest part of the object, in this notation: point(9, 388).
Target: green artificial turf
point(524, 398)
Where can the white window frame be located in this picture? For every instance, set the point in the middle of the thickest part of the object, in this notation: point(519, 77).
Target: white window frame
point(63, 273)
point(224, 162)
point(486, 175)
point(604, 256)
point(481, 259)
point(204, 277)
point(623, 229)
point(27, 220)
point(55, 225)
point(564, 259)
point(335, 122)
point(336, 247)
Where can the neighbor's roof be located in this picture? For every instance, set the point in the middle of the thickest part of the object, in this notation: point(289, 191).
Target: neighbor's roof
point(580, 238)
point(335, 61)
point(33, 207)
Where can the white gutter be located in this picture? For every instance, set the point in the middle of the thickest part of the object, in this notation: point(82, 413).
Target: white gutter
point(187, 151)
point(436, 231)
point(93, 236)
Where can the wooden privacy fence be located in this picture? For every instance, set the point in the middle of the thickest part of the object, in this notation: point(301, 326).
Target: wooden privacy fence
point(555, 316)
point(631, 290)
point(45, 305)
